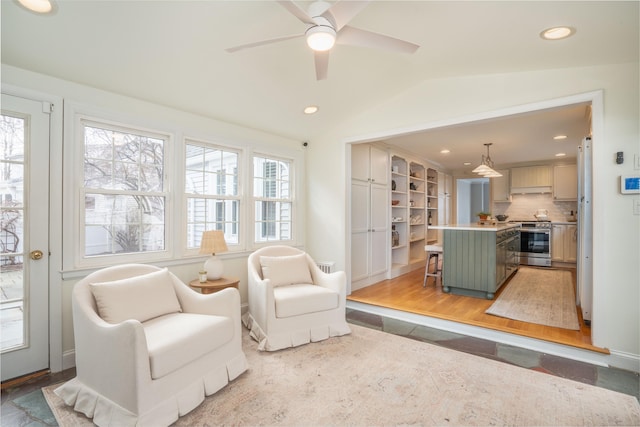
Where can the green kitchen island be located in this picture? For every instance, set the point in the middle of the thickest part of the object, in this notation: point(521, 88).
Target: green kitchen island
point(478, 259)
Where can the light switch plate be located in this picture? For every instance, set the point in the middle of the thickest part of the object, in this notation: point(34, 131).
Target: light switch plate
point(636, 207)
point(636, 161)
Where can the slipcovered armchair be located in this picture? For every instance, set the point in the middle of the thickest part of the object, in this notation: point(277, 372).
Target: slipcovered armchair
point(291, 301)
point(149, 348)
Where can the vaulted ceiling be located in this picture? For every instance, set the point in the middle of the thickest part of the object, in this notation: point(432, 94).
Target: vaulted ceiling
point(173, 52)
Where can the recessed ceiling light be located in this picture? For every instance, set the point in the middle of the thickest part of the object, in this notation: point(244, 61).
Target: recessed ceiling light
point(561, 154)
point(38, 6)
point(445, 151)
point(311, 109)
point(467, 163)
point(559, 137)
point(557, 33)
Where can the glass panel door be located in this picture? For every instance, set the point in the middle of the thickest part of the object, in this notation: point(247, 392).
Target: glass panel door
point(24, 234)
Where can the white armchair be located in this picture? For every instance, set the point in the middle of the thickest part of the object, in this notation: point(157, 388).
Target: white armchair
point(291, 301)
point(149, 348)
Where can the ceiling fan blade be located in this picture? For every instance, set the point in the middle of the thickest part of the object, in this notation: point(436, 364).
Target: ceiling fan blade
point(261, 43)
point(357, 37)
point(344, 11)
point(296, 11)
point(322, 64)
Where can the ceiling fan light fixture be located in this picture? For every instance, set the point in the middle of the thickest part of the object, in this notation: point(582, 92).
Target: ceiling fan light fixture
point(321, 37)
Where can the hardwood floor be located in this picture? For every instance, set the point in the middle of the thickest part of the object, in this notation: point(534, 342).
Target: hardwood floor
point(406, 293)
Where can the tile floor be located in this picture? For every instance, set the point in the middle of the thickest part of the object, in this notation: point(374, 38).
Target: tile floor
point(24, 405)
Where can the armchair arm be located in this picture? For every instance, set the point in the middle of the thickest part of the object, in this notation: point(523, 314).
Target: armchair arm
point(110, 358)
point(222, 303)
point(336, 281)
point(261, 299)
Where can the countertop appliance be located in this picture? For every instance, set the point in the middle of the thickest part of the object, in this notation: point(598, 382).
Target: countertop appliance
point(535, 243)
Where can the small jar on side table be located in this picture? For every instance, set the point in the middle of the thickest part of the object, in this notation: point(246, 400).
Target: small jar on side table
point(211, 286)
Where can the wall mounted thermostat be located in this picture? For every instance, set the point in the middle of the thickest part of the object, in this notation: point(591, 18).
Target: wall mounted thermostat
point(630, 184)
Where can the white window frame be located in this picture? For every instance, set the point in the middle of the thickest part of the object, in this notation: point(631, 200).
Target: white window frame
point(76, 170)
point(239, 197)
point(293, 177)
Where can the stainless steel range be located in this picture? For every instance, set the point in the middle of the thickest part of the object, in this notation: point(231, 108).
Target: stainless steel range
point(535, 243)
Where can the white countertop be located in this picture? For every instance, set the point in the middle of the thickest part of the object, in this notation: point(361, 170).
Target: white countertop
point(476, 227)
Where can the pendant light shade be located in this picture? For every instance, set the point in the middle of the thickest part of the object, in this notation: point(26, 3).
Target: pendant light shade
point(486, 166)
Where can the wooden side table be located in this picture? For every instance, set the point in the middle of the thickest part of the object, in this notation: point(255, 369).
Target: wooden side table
point(211, 286)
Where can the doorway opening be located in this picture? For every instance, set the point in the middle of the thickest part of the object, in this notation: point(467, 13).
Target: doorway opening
point(591, 101)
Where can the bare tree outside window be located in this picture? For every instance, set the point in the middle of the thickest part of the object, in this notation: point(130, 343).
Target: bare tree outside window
point(124, 196)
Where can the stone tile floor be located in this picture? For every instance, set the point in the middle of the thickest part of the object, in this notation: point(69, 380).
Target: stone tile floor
point(24, 405)
point(610, 378)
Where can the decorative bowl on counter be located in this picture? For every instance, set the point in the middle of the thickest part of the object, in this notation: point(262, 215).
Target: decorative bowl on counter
point(502, 218)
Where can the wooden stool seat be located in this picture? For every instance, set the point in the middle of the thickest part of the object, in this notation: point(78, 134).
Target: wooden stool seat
point(433, 251)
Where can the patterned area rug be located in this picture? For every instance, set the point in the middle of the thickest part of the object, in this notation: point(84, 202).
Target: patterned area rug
point(541, 296)
point(372, 378)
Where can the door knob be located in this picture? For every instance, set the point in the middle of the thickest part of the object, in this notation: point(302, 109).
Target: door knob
point(36, 255)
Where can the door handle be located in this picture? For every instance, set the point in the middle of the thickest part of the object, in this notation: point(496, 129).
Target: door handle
point(36, 255)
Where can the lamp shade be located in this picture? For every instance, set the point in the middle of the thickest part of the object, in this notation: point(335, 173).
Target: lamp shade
point(213, 242)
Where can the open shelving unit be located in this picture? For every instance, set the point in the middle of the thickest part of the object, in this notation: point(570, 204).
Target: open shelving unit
point(417, 212)
point(399, 205)
point(432, 205)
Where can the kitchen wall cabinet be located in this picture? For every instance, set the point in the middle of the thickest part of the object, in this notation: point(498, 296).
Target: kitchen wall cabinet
point(370, 164)
point(564, 242)
point(500, 187)
point(531, 179)
point(565, 182)
point(370, 228)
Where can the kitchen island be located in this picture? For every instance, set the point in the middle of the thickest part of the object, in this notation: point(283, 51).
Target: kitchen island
point(478, 259)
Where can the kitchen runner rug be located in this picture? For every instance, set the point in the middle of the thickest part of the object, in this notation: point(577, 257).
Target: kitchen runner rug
point(372, 378)
point(541, 296)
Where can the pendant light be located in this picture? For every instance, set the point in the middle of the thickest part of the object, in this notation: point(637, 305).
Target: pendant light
point(486, 165)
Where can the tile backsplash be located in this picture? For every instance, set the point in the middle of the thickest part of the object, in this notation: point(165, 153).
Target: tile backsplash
point(523, 206)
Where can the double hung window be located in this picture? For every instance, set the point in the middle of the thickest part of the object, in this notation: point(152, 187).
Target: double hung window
point(212, 192)
point(124, 193)
point(273, 202)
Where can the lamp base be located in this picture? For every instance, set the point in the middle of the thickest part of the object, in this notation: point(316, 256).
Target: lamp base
point(214, 268)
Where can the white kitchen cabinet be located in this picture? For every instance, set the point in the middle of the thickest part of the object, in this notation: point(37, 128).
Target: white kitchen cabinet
point(564, 242)
point(500, 187)
point(565, 182)
point(370, 231)
point(531, 179)
point(369, 163)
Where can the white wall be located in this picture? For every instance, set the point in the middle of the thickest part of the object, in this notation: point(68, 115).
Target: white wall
point(434, 103)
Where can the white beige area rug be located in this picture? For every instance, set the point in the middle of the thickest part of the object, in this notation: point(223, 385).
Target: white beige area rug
point(372, 378)
point(541, 296)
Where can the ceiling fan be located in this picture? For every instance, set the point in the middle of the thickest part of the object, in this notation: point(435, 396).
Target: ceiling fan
point(327, 25)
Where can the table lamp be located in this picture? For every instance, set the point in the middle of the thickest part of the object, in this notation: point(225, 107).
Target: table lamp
point(213, 243)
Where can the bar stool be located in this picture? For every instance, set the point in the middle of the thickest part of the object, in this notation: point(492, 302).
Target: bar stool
point(433, 251)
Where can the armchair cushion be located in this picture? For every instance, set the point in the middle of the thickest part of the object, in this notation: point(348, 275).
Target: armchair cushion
point(295, 300)
point(177, 339)
point(139, 297)
point(286, 270)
